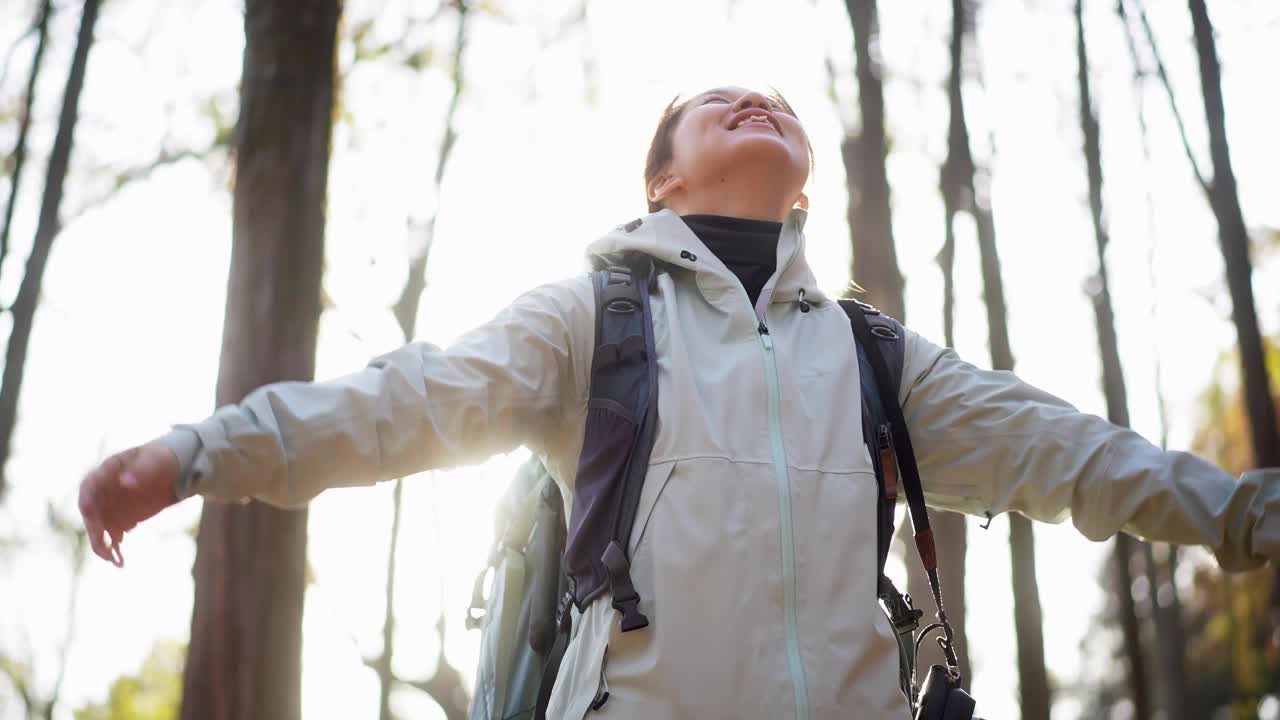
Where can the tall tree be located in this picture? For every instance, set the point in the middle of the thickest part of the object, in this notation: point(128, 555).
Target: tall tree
point(1113, 384)
point(1172, 683)
point(950, 528)
point(244, 660)
point(47, 226)
point(1233, 237)
point(19, 155)
point(959, 193)
point(875, 260)
point(1234, 240)
point(445, 685)
point(876, 265)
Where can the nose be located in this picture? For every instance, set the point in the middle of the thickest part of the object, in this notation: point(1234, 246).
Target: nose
point(751, 98)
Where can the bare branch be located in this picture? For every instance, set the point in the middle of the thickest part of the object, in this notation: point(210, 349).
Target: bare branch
point(41, 28)
point(79, 554)
point(406, 306)
point(126, 177)
point(1164, 81)
point(24, 304)
point(13, 49)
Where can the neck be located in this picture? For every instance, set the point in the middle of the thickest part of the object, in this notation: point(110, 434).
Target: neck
point(741, 200)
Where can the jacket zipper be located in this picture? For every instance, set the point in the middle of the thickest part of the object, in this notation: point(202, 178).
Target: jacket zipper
point(783, 477)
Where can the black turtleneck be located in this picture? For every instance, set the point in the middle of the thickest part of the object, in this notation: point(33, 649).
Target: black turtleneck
point(749, 248)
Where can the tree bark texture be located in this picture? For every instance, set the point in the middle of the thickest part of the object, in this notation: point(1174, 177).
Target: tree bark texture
point(244, 661)
point(19, 155)
point(875, 260)
point(445, 686)
point(1170, 638)
point(47, 227)
point(959, 173)
point(1233, 237)
point(1034, 693)
point(955, 183)
point(1113, 385)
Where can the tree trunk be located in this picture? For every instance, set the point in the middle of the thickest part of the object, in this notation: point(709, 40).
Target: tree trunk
point(1171, 643)
point(875, 260)
point(1234, 239)
point(244, 661)
point(1033, 681)
point(1113, 385)
point(875, 264)
point(445, 686)
point(47, 226)
point(1170, 635)
point(19, 156)
point(382, 664)
point(958, 174)
point(955, 182)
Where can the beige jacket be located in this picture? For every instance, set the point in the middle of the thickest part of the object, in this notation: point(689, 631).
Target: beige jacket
point(754, 547)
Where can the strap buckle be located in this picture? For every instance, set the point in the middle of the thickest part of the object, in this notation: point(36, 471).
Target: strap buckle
point(625, 598)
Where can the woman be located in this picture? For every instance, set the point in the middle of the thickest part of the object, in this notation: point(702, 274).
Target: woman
point(754, 546)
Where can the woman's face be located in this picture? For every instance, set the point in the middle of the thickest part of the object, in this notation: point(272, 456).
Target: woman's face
point(732, 132)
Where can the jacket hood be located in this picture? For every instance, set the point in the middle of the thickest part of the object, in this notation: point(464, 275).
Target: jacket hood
point(666, 238)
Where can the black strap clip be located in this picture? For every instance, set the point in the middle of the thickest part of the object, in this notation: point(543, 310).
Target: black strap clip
point(625, 598)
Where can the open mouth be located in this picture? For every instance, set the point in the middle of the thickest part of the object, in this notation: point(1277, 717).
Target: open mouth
point(754, 120)
point(754, 116)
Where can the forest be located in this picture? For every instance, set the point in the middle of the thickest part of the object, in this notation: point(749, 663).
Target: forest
point(203, 196)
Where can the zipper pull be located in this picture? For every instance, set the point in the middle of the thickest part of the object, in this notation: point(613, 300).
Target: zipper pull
point(762, 329)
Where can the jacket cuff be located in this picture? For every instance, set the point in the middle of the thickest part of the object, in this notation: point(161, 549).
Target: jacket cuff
point(186, 444)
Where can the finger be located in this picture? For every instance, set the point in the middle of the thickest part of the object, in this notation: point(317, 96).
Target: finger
point(116, 555)
point(97, 537)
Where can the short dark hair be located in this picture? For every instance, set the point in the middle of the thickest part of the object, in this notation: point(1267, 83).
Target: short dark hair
point(660, 149)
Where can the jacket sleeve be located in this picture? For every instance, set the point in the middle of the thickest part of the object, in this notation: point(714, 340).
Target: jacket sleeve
point(420, 407)
point(986, 441)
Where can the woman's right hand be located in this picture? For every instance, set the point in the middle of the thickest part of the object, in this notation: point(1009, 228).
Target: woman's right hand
point(124, 490)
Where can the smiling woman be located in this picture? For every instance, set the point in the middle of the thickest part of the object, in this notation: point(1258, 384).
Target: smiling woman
point(758, 514)
point(698, 159)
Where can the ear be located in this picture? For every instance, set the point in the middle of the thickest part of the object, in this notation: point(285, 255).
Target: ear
point(802, 201)
point(663, 186)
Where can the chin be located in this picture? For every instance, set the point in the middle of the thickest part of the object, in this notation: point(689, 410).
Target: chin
point(761, 152)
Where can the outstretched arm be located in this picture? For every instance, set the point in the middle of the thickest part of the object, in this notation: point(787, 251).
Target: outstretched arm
point(501, 385)
point(988, 442)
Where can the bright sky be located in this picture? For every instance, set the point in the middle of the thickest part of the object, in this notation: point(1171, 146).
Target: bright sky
point(127, 339)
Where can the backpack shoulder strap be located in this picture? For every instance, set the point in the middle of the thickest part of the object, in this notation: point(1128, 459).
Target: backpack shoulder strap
point(622, 415)
point(867, 335)
point(620, 430)
point(888, 336)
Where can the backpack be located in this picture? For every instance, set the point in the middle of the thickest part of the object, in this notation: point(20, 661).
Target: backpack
point(539, 567)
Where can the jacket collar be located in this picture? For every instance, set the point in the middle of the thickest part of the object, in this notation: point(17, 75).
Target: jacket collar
point(666, 238)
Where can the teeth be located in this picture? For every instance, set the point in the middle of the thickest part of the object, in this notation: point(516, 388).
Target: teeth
point(753, 118)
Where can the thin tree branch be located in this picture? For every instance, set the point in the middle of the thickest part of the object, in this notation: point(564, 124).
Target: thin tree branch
point(13, 50)
point(406, 306)
point(47, 226)
point(1139, 78)
point(41, 28)
point(444, 686)
point(131, 175)
point(79, 553)
point(382, 665)
point(1201, 180)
